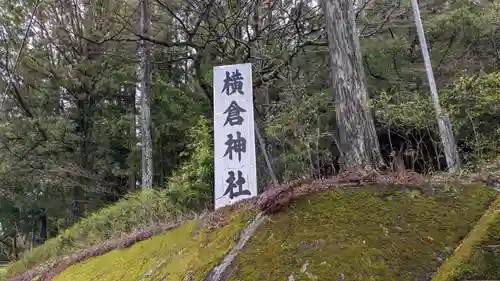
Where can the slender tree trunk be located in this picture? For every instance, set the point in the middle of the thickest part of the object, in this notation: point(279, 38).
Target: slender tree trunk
point(76, 203)
point(43, 228)
point(259, 49)
point(84, 130)
point(85, 103)
point(262, 146)
point(358, 138)
point(132, 141)
point(444, 124)
point(144, 91)
point(14, 246)
point(33, 236)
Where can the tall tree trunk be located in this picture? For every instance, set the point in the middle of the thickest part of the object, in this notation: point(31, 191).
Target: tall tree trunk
point(14, 245)
point(84, 104)
point(84, 129)
point(33, 236)
point(262, 146)
point(444, 124)
point(144, 91)
point(358, 139)
point(132, 140)
point(43, 228)
point(259, 49)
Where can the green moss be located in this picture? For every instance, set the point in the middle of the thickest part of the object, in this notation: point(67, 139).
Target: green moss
point(174, 255)
point(3, 270)
point(475, 259)
point(362, 235)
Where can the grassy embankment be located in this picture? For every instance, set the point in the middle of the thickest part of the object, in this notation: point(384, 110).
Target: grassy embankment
point(134, 212)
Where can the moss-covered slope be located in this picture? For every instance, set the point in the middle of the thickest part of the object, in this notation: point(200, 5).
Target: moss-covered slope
point(187, 251)
point(332, 235)
point(134, 211)
point(478, 257)
point(362, 236)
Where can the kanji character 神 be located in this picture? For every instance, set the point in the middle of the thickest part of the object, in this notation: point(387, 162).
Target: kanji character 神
point(237, 145)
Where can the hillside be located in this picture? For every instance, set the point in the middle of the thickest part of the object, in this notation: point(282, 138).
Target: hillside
point(123, 124)
point(366, 233)
point(87, 100)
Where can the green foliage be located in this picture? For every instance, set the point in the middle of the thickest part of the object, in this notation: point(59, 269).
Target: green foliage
point(303, 130)
point(363, 235)
point(474, 105)
point(133, 212)
point(176, 112)
point(404, 109)
point(191, 186)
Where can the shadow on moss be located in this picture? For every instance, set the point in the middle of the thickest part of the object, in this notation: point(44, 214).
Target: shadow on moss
point(478, 257)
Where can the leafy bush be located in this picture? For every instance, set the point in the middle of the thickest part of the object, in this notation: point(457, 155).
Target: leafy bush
point(191, 186)
point(474, 105)
point(302, 132)
point(403, 109)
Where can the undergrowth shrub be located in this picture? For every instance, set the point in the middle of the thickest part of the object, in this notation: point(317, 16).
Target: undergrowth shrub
point(301, 143)
point(301, 131)
point(473, 105)
point(407, 129)
point(191, 186)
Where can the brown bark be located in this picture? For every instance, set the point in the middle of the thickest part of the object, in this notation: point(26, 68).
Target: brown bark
point(144, 91)
point(84, 132)
point(43, 228)
point(259, 50)
point(132, 141)
point(357, 135)
point(14, 246)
